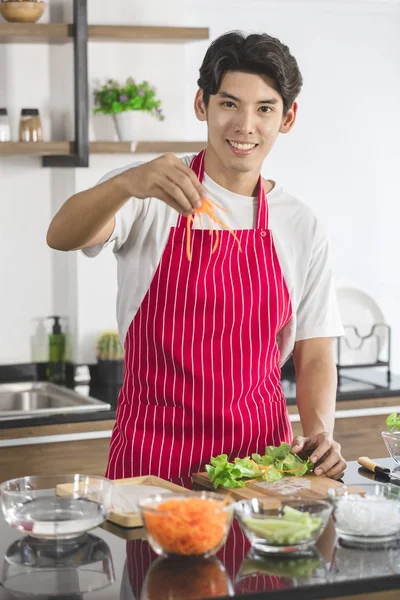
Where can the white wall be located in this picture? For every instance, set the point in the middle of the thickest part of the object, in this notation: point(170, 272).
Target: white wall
point(341, 158)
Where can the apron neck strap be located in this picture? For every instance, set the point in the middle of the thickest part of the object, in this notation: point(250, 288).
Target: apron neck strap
point(197, 166)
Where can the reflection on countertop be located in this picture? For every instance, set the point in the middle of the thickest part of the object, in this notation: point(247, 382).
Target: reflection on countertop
point(104, 565)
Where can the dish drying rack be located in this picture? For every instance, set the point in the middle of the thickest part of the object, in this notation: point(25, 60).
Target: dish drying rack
point(353, 343)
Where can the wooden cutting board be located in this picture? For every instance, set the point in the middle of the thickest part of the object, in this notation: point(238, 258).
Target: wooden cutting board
point(130, 519)
point(307, 486)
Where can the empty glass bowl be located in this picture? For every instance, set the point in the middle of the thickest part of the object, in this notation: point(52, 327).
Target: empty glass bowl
point(187, 524)
point(293, 526)
point(392, 442)
point(56, 506)
point(368, 513)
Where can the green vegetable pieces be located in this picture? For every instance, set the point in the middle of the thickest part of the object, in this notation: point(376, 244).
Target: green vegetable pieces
point(229, 475)
point(294, 527)
point(271, 466)
point(393, 421)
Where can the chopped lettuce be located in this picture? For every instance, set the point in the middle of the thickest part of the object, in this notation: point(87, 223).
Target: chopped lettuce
point(272, 466)
point(393, 421)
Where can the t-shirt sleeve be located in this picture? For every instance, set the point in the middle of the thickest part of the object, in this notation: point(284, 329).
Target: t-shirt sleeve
point(124, 219)
point(318, 311)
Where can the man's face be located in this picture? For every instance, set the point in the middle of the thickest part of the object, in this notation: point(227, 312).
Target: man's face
point(244, 119)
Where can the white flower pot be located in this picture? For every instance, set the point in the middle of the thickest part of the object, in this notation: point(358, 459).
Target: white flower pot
point(127, 124)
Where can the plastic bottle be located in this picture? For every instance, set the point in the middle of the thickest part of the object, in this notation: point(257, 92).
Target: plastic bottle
point(39, 342)
point(57, 343)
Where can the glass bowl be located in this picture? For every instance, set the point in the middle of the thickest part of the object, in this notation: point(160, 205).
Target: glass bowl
point(392, 443)
point(291, 527)
point(366, 514)
point(187, 524)
point(56, 506)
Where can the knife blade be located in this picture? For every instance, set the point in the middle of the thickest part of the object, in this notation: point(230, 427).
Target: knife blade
point(374, 467)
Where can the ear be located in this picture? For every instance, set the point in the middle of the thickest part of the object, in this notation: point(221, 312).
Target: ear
point(199, 106)
point(289, 119)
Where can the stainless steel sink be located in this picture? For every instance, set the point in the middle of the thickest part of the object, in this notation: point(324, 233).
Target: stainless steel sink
point(29, 399)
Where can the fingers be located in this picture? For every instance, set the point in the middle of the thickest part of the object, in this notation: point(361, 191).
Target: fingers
point(320, 450)
point(194, 180)
point(186, 180)
point(338, 470)
point(332, 464)
point(298, 444)
point(168, 199)
point(175, 193)
point(185, 188)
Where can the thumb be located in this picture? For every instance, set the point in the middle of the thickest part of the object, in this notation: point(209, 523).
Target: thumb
point(298, 444)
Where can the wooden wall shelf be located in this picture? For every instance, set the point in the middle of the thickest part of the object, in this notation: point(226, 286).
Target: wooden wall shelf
point(36, 148)
point(132, 33)
point(144, 147)
point(28, 33)
point(67, 148)
point(80, 33)
point(60, 33)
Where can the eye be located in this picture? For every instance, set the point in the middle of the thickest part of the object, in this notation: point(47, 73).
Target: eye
point(265, 109)
point(228, 104)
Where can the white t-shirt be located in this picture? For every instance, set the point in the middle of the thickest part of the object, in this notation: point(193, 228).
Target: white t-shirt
point(143, 227)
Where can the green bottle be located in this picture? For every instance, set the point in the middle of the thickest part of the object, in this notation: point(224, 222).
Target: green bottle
point(56, 351)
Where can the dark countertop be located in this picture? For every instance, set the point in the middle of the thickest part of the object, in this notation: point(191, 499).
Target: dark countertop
point(356, 384)
point(332, 572)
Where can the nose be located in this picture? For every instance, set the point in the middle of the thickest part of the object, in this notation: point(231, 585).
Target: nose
point(244, 122)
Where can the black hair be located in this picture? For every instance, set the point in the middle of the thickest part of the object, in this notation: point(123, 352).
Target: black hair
point(259, 54)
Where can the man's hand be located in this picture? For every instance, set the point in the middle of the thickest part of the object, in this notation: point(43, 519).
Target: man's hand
point(169, 180)
point(324, 452)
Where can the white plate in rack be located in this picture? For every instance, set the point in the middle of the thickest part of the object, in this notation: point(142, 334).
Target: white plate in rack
point(359, 309)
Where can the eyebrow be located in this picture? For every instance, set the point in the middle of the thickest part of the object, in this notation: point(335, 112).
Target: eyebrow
point(231, 97)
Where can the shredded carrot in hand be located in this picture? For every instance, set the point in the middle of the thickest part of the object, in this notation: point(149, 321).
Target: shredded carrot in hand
point(207, 207)
point(289, 470)
point(192, 526)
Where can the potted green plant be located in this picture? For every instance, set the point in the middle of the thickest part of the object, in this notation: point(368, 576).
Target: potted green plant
point(110, 359)
point(125, 102)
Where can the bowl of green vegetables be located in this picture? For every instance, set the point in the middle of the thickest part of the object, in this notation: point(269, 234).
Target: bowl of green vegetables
point(291, 527)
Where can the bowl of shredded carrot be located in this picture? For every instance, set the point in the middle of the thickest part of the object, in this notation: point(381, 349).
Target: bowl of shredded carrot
point(189, 524)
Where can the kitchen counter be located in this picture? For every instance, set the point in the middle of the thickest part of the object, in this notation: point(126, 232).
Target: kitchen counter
point(127, 569)
point(358, 384)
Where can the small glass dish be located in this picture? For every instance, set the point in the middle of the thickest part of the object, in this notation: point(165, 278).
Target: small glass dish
point(187, 524)
point(290, 527)
point(56, 506)
point(368, 513)
point(392, 443)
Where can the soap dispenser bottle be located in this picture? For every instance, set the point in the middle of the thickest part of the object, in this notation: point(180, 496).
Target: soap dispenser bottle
point(56, 351)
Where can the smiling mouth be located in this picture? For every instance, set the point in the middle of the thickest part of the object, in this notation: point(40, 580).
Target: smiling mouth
point(243, 148)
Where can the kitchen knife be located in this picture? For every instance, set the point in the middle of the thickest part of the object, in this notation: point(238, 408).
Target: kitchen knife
point(376, 468)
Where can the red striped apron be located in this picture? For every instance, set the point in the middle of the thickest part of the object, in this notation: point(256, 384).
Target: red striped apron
point(202, 373)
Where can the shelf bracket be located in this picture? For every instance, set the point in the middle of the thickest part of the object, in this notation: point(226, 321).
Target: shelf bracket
point(80, 157)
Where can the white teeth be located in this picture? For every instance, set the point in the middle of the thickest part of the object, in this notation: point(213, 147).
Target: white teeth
point(242, 146)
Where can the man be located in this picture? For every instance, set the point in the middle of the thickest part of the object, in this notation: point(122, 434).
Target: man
point(206, 321)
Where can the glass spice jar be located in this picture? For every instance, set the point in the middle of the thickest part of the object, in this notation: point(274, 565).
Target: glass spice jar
point(5, 133)
point(30, 127)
